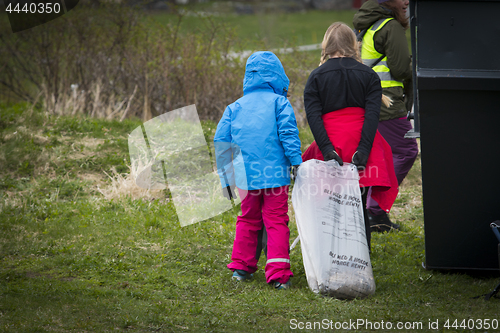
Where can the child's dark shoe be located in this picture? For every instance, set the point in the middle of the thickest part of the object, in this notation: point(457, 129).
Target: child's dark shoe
point(281, 286)
point(241, 275)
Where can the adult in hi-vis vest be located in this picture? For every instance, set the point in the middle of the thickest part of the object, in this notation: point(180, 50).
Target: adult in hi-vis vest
point(385, 49)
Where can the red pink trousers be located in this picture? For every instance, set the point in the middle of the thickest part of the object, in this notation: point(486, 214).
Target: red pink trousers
point(268, 207)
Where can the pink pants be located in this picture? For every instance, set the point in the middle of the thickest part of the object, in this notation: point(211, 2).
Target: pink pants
point(268, 206)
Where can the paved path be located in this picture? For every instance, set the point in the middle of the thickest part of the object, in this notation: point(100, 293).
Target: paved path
point(245, 54)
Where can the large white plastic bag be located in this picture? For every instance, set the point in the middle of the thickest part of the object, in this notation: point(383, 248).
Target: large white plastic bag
point(329, 215)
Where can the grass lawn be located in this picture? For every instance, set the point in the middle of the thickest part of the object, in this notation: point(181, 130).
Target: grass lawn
point(271, 30)
point(75, 260)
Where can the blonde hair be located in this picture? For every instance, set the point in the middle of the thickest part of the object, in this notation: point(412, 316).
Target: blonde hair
point(339, 40)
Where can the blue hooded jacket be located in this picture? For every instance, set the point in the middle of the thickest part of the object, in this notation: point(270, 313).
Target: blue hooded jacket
point(257, 139)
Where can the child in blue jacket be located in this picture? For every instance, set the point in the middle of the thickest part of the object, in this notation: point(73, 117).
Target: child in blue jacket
point(256, 143)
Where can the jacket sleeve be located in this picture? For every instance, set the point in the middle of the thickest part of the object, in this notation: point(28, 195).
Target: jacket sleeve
point(223, 150)
point(314, 109)
point(372, 112)
point(288, 132)
point(391, 41)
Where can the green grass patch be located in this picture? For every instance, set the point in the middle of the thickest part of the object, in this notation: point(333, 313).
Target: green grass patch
point(268, 30)
point(72, 260)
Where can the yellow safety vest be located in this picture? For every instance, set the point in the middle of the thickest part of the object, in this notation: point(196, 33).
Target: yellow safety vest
point(369, 56)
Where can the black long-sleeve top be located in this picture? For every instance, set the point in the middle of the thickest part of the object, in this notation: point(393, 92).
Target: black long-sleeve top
point(337, 84)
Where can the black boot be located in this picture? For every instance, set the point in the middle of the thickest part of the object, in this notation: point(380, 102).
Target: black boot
point(381, 223)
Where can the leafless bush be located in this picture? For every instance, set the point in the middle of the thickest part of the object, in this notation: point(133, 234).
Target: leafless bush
point(113, 62)
point(298, 65)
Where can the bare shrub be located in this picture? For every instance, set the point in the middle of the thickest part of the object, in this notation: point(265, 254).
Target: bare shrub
point(111, 61)
point(115, 62)
point(298, 65)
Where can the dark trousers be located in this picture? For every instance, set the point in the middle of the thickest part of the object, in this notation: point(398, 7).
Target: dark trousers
point(404, 152)
point(364, 197)
point(261, 243)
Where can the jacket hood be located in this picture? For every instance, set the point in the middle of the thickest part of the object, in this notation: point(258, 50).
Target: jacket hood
point(265, 71)
point(369, 13)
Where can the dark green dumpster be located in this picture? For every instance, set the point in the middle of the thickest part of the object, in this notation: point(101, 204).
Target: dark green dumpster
point(456, 56)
